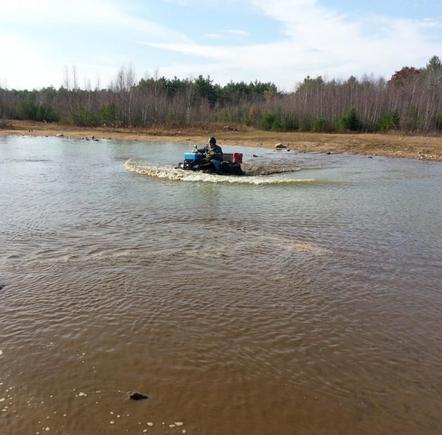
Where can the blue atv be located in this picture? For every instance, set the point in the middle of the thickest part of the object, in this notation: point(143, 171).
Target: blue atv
point(198, 161)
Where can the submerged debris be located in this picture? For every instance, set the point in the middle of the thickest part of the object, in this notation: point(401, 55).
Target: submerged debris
point(137, 396)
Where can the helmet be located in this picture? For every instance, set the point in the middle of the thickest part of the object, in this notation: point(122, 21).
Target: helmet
point(212, 140)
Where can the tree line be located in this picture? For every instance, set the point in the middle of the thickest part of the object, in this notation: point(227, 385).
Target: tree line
point(410, 101)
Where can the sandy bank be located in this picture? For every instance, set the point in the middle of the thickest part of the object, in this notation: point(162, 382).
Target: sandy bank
point(390, 145)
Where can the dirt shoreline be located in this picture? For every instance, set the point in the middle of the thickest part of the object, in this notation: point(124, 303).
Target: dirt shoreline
point(389, 145)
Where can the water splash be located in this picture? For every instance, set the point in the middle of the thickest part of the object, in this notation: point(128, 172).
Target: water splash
point(169, 173)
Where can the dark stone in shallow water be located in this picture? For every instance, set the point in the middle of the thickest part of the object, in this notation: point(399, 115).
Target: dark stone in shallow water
point(137, 396)
point(2, 286)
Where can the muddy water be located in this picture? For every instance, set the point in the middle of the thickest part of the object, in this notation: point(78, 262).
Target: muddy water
point(294, 303)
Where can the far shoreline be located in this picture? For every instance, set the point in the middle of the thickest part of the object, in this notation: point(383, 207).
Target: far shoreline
point(370, 144)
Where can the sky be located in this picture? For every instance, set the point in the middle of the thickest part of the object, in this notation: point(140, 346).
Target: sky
point(282, 41)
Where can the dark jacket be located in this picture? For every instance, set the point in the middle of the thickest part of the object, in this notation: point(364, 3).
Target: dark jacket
point(214, 152)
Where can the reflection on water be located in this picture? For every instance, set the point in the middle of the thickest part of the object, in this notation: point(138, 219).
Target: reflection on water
point(308, 306)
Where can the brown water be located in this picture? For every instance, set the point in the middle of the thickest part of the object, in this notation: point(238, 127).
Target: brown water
point(307, 302)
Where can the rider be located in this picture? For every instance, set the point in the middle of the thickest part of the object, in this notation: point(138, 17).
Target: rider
point(214, 153)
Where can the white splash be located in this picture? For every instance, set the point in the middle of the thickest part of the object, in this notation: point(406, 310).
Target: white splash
point(169, 173)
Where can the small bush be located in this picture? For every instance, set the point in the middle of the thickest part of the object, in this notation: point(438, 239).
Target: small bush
point(349, 121)
point(267, 121)
point(107, 114)
point(389, 121)
point(320, 125)
point(47, 114)
point(278, 121)
point(85, 118)
point(32, 111)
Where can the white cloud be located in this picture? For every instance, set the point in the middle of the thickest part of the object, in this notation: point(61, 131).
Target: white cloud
point(26, 62)
point(99, 13)
point(228, 34)
point(318, 41)
point(315, 41)
point(214, 36)
point(237, 32)
point(20, 57)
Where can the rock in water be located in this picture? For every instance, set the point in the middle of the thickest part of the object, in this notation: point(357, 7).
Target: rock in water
point(137, 396)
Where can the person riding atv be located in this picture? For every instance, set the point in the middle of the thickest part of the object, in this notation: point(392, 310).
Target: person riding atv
point(214, 154)
point(211, 159)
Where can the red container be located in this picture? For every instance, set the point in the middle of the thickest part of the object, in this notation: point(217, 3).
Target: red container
point(237, 158)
